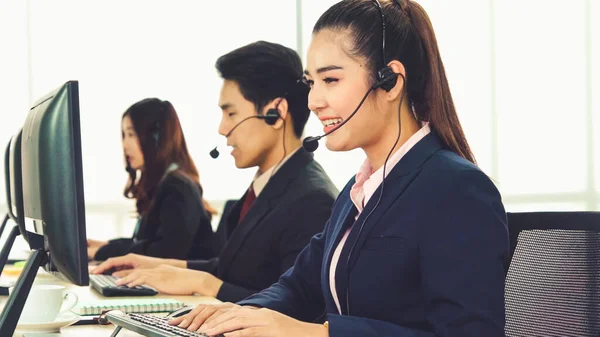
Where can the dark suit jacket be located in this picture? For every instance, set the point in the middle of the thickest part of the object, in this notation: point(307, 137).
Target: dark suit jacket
point(294, 205)
point(430, 260)
point(177, 225)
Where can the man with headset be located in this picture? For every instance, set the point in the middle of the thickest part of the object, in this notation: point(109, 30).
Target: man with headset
point(265, 109)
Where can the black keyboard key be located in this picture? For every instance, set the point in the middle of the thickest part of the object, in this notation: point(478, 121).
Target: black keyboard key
point(105, 285)
point(163, 324)
point(149, 325)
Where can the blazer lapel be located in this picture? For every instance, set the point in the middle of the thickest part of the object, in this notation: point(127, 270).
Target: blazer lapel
point(237, 235)
point(266, 200)
point(233, 217)
point(344, 221)
point(400, 178)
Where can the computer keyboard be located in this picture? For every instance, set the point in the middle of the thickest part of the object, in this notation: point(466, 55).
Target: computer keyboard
point(148, 325)
point(105, 285)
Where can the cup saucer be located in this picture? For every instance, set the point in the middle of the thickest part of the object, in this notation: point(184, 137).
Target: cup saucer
point(63, 320)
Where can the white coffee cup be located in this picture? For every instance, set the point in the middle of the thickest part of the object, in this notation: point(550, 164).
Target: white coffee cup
point(45, 302)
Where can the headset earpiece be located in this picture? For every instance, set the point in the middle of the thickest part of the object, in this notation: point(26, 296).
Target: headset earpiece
point(271, 116)
point(386, 79)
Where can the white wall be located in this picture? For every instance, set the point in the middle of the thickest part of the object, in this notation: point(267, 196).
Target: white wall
point(523, 74)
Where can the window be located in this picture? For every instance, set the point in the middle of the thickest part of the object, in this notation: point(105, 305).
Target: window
point(523, 75)
point(162, 49)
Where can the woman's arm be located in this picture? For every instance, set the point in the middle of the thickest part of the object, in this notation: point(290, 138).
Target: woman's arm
point(463, 246)
point(298, 293)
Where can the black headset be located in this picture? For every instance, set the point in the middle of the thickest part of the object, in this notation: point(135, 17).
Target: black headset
point(270, 117)
point(386, 80)
point(386, 77)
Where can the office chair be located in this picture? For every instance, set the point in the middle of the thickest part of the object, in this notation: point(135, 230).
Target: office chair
point(553, 282)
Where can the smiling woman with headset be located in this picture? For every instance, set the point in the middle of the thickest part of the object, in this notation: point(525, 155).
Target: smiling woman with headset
point(417, 242)
point(174, 219)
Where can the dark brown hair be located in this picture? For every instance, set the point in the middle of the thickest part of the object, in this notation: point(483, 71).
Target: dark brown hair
point(265, 71)
point(411, 40)
point(162, 143)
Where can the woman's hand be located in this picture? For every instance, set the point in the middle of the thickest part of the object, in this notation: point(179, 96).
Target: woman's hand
point(243, 322)
point(202, 314)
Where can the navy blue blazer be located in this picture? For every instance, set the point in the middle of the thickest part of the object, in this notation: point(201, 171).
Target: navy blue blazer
point(430, 260)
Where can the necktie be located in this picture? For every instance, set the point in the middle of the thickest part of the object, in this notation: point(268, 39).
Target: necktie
point(248, 201)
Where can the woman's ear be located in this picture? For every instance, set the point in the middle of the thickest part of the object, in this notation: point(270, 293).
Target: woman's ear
point(398, 68)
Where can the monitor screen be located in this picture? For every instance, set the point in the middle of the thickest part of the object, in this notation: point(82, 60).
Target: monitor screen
point(52, 181)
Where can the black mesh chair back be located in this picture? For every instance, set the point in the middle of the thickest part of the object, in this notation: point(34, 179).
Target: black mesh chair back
point(553, 281)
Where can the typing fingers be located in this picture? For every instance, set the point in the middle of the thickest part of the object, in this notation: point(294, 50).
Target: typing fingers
point(131, 277)
point(184, 321)
point(122, 273)
point(201, 317)
point(111, 263)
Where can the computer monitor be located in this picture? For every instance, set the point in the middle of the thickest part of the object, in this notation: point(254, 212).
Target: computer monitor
point(53, 181)
point(53, 202)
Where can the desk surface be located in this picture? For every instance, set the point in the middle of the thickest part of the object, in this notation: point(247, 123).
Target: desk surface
point(87, 294)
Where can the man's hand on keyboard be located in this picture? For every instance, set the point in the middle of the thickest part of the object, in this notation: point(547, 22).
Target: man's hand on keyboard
point(174, 281)
point(134, 261)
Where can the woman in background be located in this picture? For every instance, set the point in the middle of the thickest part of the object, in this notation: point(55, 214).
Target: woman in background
point(174, 219)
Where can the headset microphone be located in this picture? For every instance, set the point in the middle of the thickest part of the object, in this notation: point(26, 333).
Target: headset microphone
point(311, 143)
point(214, 153)
point(386, 80)
point(270, 118)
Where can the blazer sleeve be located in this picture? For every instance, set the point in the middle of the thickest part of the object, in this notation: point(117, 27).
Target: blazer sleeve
point(310, 214)
point(179, 217)
point(463, 246)
point(115, 247)
point(463, 251)
point(209, 266)
point(298, 292)
point(352, 326)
